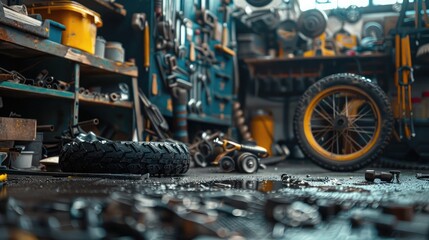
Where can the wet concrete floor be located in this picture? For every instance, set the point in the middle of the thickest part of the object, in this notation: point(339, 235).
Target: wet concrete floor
point(245, 201)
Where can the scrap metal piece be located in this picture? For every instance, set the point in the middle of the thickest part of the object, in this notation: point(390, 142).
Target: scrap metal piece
point(312, 23)
point(396, 174)
point(422, 176)
point(371, 175)
point(297, 214)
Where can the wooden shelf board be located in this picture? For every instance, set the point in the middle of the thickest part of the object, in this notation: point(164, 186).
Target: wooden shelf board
point(123, 104)
point(104, 8)
point(317, 58)
point(19, 44)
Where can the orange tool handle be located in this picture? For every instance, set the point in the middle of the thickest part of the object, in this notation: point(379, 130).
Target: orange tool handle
point(146, 46)
point(191, 52)
point(224, 35)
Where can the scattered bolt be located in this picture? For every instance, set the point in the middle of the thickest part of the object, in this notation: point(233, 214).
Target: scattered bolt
point(396, 174)
point(371, 175)
point(422, 175)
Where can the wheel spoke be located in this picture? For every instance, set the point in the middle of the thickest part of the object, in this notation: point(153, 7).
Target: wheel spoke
point(329, 105)
point(357, 144)
point(318, 126)
point(321, 133)
point(323, 115)
point(359, 131)
point(365, 120)
point(369, 134)
point(362, 115)
point(331, 147)
point(347, 144)
point(367, 127)
point(331, 139)
point(338, 143)
point(347, 106)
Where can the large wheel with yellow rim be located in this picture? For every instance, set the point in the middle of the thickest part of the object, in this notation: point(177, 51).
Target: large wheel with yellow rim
point(343, 122)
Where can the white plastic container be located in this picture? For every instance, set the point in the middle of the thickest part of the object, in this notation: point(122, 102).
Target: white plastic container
point(23, 160)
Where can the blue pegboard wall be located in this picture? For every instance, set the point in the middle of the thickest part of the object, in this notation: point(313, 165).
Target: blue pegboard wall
point(219, 112)
point(220, 108)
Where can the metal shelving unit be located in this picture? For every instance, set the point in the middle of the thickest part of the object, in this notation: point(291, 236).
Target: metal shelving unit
point(19, 45)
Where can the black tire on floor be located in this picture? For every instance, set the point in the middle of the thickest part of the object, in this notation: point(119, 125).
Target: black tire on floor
point(155, 158)
point(348, 81)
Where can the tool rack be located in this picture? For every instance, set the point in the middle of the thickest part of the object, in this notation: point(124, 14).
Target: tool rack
point(24, 51)
point(216, 115)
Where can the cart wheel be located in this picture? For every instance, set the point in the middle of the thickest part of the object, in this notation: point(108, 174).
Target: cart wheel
point(199, 159)
point(206, 149)
point(227, 164)
point(343, 122)
point(247, 163)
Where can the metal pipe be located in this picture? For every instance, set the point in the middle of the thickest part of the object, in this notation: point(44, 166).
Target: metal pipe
point(45, 128)
point(92, 122)
point(62, 86)
point(40, 83)
point(114, 97)
point(81, 90)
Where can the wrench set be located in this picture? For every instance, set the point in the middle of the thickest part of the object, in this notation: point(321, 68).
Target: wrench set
point(189, 54)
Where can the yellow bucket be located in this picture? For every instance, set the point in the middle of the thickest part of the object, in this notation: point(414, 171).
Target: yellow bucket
point(262, 129)
point(81, 23)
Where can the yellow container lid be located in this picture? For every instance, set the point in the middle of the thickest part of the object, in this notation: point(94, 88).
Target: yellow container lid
point(69, 6)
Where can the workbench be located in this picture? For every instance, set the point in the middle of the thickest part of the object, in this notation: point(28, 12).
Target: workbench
point(288, 69)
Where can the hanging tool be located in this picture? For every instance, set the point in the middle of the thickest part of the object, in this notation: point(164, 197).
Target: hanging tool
point(189, 36)
point(192, 98)
point(164, 30)
point(152, 112)
point(405, 79)
point(146, 62)
point(139, 22)
point(158, 9)
point(180, 114)
point(223, 47)
point(404, 75)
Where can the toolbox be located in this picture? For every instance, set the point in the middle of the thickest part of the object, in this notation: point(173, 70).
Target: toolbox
point(81, 23)
point(56, 31)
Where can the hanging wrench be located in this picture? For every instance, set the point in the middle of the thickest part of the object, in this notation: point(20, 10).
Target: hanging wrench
point(193, 93)
point(199, 103)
